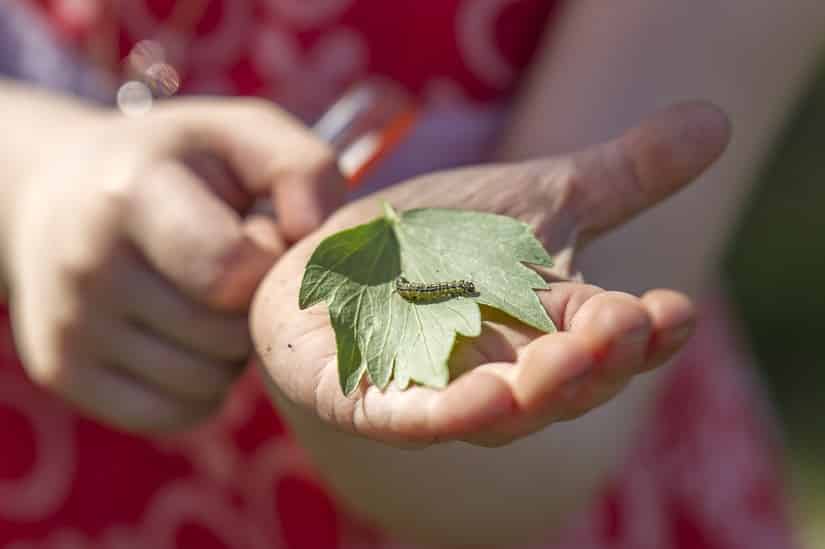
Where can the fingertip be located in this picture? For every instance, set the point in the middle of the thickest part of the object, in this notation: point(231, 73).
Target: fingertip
point(677, 145)
point(303, 201)
point(264, 232)
point(674, 319)
point(707, 126)
point(243, 268)
point(669, 309)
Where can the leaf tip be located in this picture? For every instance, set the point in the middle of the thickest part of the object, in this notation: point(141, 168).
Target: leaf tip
point(350, 382)
point(306, 297)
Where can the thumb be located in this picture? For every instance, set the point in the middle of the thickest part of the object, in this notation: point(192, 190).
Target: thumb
point(609, 184)
point(271, 153)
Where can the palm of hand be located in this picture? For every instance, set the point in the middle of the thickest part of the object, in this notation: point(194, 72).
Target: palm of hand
point(511, 380)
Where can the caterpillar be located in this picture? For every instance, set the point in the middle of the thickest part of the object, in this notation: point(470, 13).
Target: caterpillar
point(417, 291)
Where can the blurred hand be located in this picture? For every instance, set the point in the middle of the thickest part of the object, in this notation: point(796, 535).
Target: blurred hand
point(512, 380)
point(132, 260)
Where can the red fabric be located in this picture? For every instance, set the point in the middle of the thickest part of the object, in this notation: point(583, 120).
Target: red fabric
point(303, 53)
point(704, 474)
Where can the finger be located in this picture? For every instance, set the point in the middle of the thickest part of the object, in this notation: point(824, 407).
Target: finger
point(544, 384)
point(165, 367)
point(564, 374)
point(502, 335)
point(122, 402)
point(606, 344)
point(165, 310)
point(194, 239)
point(611, 183)
point(272, 153)
point(565, 299)
point(548, 364)
point(673, 317)
point(265, 233)
point(219, 178)
point(493, 403)
point(420, 416)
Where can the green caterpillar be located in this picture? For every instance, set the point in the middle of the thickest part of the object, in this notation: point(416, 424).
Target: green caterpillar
point(418, 291)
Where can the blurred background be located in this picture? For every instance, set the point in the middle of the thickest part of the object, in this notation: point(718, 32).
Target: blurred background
point(775, 270)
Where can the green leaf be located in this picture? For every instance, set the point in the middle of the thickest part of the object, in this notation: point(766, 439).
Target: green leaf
point(378, 331)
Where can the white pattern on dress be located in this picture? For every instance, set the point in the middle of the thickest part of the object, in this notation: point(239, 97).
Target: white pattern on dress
point(303, 14)
point(46, 485)
point(476, 36)
point(223, 45)
point(307, 82)
point(218, 49)
point(271, 462)
point(192, 502)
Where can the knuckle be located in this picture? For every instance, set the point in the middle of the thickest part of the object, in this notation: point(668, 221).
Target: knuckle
point(88, 277)
point(117, 197)
point(312, 160)
point(571, 179)
point(121, 179)
point(325, 159)
point(629, 171)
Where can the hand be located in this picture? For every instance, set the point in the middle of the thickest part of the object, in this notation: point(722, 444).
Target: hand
point(512, 380)
point(132, 262)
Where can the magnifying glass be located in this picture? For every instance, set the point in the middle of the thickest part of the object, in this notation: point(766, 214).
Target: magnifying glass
point(369, 120)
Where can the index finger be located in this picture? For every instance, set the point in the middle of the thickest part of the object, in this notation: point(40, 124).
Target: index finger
point(272, 153)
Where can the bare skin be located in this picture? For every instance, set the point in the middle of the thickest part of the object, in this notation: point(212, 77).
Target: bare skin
point(602, 68)
point(515, 380)
point(129, 262)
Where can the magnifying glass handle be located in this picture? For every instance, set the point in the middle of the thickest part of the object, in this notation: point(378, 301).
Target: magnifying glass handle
point(365, 124)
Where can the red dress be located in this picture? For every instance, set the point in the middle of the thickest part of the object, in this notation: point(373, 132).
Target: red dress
point(704, 473)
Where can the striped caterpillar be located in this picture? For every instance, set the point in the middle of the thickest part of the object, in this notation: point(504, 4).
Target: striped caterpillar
point(417, 291)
